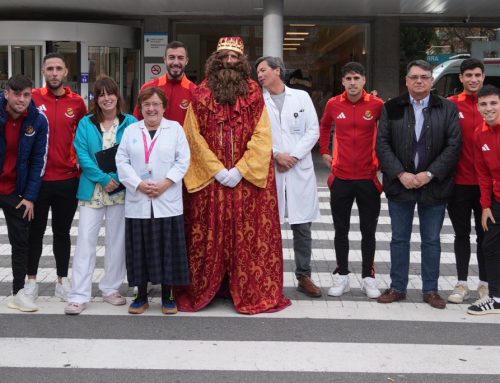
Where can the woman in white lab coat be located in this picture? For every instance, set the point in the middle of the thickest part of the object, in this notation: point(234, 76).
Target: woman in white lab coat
point(152, 160)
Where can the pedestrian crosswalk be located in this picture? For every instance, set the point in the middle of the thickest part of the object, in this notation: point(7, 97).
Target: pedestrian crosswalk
point(346, 339)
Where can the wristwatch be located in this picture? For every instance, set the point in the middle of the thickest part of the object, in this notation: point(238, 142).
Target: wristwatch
point(429, 174)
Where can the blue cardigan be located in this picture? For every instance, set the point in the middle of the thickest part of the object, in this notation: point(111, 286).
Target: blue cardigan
point(32, 153)
point(88, 141)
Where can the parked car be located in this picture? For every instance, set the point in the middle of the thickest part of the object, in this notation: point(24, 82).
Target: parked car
point(446, 82)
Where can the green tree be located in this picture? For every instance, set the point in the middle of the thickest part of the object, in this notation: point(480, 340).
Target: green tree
point(413, 43)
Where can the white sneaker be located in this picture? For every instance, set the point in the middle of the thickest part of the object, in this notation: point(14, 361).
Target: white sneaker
point(63, 289)
point(31, 289)
point(22, 302)
point(370, 288)
point(115, 299)
point(483, 290)
point(73, 308)
point(340, 286)
point(460, 293)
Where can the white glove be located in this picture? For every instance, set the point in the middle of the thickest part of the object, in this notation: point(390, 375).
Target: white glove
point(233, 178)
point(222, 175)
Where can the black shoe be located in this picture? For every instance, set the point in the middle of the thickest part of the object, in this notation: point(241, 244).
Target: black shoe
point(484, 306)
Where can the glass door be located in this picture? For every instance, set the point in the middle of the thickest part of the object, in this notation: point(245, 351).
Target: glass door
point(103, 60)
point(71, 52)
point(4, 65)
point(26, 59)
point(131, 78)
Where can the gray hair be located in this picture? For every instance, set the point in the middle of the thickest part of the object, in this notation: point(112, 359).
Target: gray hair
point(273, 62)
point(419, 63)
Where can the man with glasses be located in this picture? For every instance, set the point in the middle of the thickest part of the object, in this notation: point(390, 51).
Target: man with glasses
point(418, 146)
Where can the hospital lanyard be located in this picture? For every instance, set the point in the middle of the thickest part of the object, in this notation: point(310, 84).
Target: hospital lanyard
point(148, 150)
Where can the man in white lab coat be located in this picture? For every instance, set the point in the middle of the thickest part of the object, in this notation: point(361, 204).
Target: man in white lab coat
point(295, 132)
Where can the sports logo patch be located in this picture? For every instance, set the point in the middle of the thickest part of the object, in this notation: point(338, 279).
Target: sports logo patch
point(30, 131)
point(184, 104)
point(69, 113)
point(368, 115)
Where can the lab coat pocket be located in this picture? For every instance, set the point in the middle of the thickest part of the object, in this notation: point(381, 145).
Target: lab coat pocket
point(305, 163)
point(132, 195)
point(173, 194)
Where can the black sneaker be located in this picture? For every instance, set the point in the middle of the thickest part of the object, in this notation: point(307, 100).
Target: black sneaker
point(484, 306)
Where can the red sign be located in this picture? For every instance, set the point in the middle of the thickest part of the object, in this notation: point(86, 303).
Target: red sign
point(156, 70)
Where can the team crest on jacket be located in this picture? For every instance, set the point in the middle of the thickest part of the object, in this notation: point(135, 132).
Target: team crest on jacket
point(368, 115)
point(29, 131)
point(184, 104)
point(69, 113)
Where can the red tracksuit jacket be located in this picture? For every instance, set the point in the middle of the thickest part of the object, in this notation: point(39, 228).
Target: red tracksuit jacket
point(64, 113)
point(470, 120)
point(179, 95)
point(355, 125)
point(487, 147)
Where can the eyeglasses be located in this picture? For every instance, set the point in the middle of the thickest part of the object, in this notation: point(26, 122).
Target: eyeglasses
point(155, 105)
point(424, 77)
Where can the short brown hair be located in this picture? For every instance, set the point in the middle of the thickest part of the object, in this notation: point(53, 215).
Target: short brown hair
point(105, 83)
point(147, 93)
point(174, 45)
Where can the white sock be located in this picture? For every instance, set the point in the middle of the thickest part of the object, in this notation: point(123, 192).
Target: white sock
point(482, 283)
point(496, 299)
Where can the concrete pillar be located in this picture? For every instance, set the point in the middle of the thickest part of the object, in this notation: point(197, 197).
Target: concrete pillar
point(273, 28)
point(385, 56)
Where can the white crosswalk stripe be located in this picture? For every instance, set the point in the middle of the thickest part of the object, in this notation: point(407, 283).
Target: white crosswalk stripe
point(312, 336)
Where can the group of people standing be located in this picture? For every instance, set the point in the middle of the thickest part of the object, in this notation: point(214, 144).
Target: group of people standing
point(434, 154)
point(244, 157)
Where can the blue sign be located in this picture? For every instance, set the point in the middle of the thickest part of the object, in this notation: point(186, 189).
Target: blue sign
point(84, 78)
point(438, 58)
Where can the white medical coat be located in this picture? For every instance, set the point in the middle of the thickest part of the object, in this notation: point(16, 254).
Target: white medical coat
point(169, 159)
point(295, 133)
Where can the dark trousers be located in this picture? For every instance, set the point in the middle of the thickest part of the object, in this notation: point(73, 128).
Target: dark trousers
point(60, 197)
point(302, 248)
point(17, 230)
point(464, 202)
point(342, 196)
point(491, 251)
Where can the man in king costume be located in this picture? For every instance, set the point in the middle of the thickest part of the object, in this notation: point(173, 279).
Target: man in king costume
point(232, 221)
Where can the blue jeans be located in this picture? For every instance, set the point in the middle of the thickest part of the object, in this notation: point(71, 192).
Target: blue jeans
point(431, 221)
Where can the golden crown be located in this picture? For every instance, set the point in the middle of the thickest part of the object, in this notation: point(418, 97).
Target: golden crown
point(231, 43)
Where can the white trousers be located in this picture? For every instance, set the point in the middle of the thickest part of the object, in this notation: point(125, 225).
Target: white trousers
point(85, 252)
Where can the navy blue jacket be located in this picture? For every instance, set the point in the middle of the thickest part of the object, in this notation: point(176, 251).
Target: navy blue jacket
point(32, 153)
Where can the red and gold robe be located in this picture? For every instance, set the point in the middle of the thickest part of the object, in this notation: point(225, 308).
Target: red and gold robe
point(232, 233)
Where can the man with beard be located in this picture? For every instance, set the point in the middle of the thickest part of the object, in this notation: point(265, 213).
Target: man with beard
point(175, 84)
point(64, 109)
point(232, 221)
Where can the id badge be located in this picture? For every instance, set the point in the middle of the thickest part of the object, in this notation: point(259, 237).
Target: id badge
point(146, 174)
point(295, 128)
